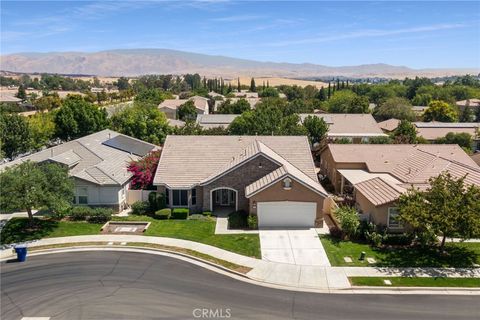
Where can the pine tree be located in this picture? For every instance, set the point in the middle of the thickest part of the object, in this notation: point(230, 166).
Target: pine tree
point(22, 94)
point(338, 84)
point(329, 90)
point(239, 88)
point(268, 85)
point(263, 86)
point(253, 87)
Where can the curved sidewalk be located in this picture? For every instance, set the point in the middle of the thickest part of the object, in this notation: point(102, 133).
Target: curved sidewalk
point(280, 274)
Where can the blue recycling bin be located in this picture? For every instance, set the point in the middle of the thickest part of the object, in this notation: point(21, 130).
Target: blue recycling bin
point(21, 251)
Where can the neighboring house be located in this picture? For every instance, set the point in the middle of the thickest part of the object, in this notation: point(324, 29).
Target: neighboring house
point(252, 101)
point(98, 163)
point(473, 104)
point(476, 157)
point(431, 131)
point(245, 94)
point(353, 126)
point(389, 125)
point(9, 97)
point(207, 121)
point(271, 176)
point(214, 95)
point(175, 123)
point(170, 106)
point(419, 110)
point(374, 176)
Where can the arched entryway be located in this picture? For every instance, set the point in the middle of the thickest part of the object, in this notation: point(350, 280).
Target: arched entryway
point(224, 200)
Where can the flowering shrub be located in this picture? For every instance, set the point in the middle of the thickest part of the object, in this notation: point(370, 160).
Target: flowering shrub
point(143, 170)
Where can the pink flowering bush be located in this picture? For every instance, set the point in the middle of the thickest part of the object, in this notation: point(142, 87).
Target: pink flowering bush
point(143, 170)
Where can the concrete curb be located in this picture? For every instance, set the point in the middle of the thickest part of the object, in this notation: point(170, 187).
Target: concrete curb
point(242, 277)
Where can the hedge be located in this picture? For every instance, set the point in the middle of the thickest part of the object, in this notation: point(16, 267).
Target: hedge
point(163, 214)
point(180, 213)
point(238, 220)
point(140, 208)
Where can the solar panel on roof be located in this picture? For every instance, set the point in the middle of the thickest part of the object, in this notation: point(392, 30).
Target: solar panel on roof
point(129, 145)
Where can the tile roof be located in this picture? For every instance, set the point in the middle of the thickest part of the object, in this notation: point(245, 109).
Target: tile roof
point(90, 159)
point(405, 165)
point(378, 191)
point(469, 102)
point(187, 161)
point(434, 130)
point(348, 124)
point(200, 103)
point(389, 125)
point(215, 120)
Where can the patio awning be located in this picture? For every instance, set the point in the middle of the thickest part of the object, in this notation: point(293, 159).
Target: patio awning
point(355, 176)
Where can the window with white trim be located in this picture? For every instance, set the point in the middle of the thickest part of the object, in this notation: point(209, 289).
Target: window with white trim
point(194, 196)
point(393, 221)
point(180, 198)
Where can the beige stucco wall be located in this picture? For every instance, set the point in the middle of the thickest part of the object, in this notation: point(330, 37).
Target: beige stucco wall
point(329, 167)
point(298, 192)
point(108, 196)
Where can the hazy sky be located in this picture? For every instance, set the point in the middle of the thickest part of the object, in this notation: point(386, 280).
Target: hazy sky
point(415, 34)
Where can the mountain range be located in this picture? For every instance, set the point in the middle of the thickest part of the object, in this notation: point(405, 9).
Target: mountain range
point(134, 62)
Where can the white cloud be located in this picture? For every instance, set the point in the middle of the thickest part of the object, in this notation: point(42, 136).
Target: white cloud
point(367, 33)
point(238, 18)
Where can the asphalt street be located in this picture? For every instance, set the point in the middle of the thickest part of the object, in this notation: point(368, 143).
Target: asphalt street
point(125, 285)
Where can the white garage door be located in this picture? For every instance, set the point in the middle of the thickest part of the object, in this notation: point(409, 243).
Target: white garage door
point(286, 214)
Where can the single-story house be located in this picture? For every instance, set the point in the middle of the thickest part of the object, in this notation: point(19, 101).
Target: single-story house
point(245, 94)
point(207, 121)
point(374, 176)
point(216, 95)
point(98, 164)
point(419, 110)
point(8, 96)
point(473, 104)
point(353, 126)
point(389, 125)
point(252, 101)
point(434, 130)
point(170, 106)
point(176, 123)
point(271, 176)
point(476, 157)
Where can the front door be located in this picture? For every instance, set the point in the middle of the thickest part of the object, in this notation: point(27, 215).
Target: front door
point(225, 197)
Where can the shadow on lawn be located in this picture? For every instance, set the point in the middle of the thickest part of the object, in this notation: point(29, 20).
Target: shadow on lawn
point(454, 256)
point(20, 230)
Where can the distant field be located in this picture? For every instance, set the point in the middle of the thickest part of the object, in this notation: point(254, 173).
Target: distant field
point(278, 82)
point(13, 92)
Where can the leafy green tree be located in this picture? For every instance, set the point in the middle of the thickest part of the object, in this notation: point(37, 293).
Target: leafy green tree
point(21, 93)
point(349, 222)
point(239, 107)
point(463, 139)
point(380, 140)
point(398, 108)
point(48, 102)
point(253, 87)
point(440, 111)
point(466, 115)
point(346, 101)
point(42, 129)
point(143, 122)
point(317, 128)
point(123, 83)
point(406, 132)
point(78, 118)
point(15, 136)
point(293, 92)
point(448, 207)
point(266, 119)
point(380, 93)
point(30, 185)
point(268, 93)
point(152, 96)
point(187, 111)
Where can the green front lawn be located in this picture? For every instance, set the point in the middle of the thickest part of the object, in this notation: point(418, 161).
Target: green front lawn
point(415, 282)
point(458, 255)
point(18, 230)
point(200, 231)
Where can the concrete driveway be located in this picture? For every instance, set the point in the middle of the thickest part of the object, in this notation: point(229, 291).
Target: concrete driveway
point(299, 246)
